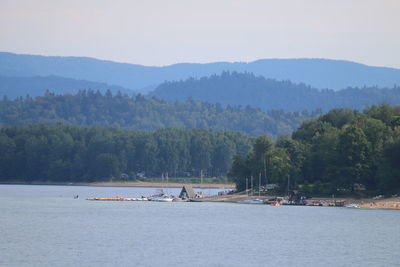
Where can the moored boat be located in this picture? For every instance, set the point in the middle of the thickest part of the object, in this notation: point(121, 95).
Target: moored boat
point(251, 201)
point(352, 206)
point(163, 199)
point(276, 204)
point(160, 197)
point(118, 199)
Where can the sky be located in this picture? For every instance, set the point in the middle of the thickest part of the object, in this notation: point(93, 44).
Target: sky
point(164, 32)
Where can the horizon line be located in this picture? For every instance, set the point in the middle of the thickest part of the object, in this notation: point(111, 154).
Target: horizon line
point(202, 63)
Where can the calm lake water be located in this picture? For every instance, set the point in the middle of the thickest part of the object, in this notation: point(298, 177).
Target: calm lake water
point(45, 226)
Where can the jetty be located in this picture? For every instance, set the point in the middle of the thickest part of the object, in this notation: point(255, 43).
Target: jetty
point(187, 194)
point(118, 199)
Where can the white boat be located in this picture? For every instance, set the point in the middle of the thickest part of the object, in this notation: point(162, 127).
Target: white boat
point(160, 197)
point(163, 199)
point(251, 201)
point(352, 206)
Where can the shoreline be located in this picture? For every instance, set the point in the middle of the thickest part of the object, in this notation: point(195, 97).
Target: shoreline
point(391, 203)
point(126, 184)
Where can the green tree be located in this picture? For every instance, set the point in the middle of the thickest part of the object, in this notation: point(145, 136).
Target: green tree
point(389, 170)
point(239, 172)
point(354, 151)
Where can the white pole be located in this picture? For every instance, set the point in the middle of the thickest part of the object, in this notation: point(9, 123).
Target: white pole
point(265, 169)
point(251, 182)
point(167, 183)
point(162, 183)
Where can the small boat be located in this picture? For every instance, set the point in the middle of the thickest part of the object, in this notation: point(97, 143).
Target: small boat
point(160, 197)
point(251, 201)
point(113, 199)
point(275, 204)
point(163, 199)
point(352, 206)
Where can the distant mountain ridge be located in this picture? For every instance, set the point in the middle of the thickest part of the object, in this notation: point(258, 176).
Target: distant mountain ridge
point(267, 94)
point(14, 87)
point(318, 73)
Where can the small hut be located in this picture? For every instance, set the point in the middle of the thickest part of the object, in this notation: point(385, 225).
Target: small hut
point(187, 192)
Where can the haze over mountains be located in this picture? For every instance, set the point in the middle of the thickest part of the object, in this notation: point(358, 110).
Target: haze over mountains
point(267, 94)
point(38, 85)
point(318, 73)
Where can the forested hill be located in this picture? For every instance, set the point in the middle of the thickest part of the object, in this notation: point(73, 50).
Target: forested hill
point(62, 153)
point(319, 73)
point(91, 108)
point(333, 154)
point(13, 87)
point(247, 89)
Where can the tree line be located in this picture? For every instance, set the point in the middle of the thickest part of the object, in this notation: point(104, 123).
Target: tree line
point(93, 108)
point(339, 152)
point(233, 88)
point(64, 153)
point(14, 87)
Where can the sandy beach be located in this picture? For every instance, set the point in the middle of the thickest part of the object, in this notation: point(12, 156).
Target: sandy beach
point(392, 203)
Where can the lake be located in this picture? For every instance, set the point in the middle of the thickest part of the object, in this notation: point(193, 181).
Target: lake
point(46, 226)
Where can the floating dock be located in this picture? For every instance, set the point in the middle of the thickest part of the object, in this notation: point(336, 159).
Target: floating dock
point(118, 199)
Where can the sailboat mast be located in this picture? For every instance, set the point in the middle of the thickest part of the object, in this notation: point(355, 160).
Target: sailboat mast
point(247, 186)
point(251, 182)
point(162, 182)
point(167, 184)
point(265, 169)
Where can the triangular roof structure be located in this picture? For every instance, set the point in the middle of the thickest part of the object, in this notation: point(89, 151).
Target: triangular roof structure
point(187, 191)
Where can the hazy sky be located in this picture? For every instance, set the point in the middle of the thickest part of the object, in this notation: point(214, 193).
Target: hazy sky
point(163, 32)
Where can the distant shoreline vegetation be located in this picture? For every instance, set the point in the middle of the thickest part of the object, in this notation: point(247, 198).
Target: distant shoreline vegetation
point(340, 152)
point(67, 153)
